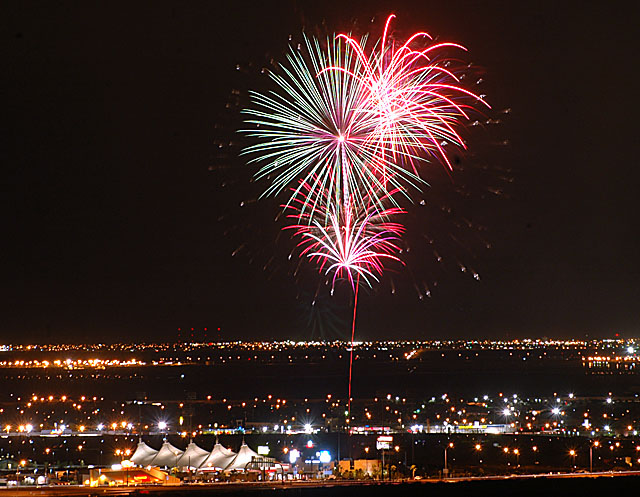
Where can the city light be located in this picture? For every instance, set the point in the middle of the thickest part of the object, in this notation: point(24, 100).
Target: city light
point(325, 456)
point(294, 455)
point(406, 421)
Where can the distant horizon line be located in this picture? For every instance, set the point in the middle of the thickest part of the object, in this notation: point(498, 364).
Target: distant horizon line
point(541, 340)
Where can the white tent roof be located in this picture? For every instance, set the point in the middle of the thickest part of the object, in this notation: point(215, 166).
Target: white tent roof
point(168, 455)
point(143, 454)
point(219, 458)
point(242, 458)
point(225, 451)
point(193, 456)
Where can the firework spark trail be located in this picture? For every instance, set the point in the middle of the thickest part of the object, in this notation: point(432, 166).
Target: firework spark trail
point(353, 332)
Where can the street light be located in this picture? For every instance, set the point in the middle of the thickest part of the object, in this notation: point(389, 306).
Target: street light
point(517, 453)
point(572, 453)
point(506, 454)
point(446, 469)
point(595, 444)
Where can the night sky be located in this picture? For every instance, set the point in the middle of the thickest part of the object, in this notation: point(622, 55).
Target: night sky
point(127, 215)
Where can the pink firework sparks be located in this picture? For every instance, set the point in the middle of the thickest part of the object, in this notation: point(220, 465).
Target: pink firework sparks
point(348, 241)
point(413, 100)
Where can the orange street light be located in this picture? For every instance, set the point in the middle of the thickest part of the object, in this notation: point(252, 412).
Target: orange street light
point(595, 444)
point(572, 453)
point(446, 469)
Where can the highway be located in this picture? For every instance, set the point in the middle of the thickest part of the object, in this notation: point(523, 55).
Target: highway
point(234, 488)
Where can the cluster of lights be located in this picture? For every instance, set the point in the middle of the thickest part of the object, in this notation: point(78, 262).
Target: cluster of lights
point(607, 359)
point(72, 364)
point(629, 345)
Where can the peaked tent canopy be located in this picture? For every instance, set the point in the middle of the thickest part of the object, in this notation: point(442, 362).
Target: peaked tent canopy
point(244, 456)
point(143, 454)
point(219, 458)
point(193, 457)
point(168, 456)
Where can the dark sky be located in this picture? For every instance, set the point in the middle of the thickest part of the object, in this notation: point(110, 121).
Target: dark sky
point(120, 211)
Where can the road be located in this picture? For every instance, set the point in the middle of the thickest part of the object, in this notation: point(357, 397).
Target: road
point(230, 488)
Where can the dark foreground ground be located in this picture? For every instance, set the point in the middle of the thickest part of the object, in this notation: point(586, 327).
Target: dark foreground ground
point(540, 486)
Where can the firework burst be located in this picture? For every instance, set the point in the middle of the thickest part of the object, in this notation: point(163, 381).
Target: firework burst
point(413, 97)
point(348, 120)
point(348, 241)
point(313, 128)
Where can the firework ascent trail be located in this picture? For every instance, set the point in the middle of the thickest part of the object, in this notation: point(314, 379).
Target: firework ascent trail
point(346, 132)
